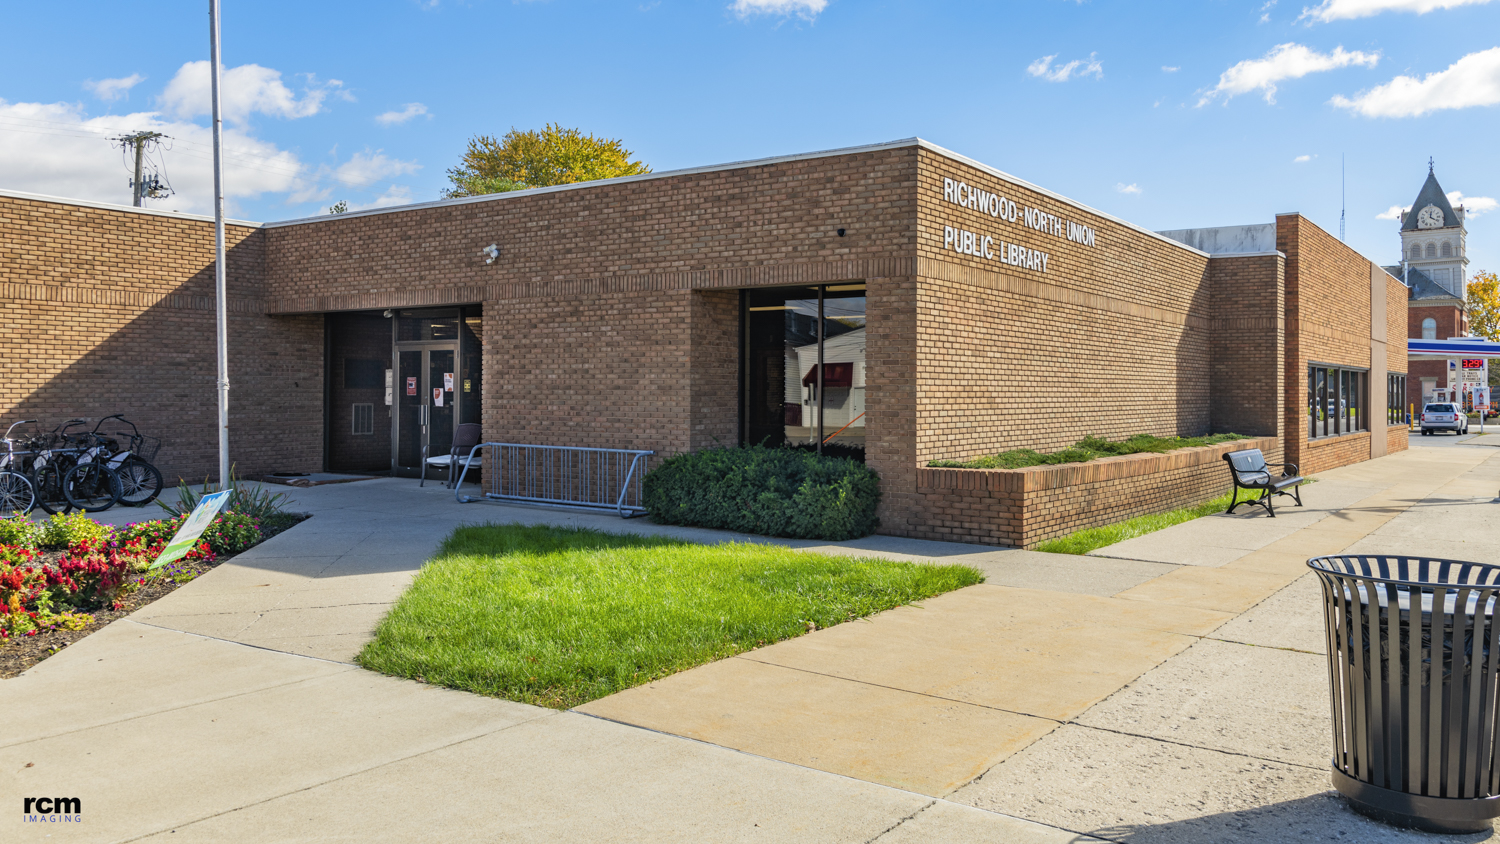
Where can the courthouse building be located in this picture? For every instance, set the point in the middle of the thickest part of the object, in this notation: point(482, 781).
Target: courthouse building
point(958, 311)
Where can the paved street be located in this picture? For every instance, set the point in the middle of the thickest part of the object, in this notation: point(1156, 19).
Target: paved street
point(1170, 688)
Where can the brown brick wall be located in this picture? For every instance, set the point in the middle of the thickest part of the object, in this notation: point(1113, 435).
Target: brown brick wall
point(112, 311)
point(1249, 344)
point(1328, 321)
point(1111, 340)
point(1023, 507)
point(767, 224)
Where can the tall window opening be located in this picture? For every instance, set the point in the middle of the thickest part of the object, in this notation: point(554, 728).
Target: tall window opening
point(1429, 329)
point(1336, 401)
point(804, 368)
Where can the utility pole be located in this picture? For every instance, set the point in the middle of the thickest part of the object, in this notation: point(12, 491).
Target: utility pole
point(221, 310)
point(139, 141)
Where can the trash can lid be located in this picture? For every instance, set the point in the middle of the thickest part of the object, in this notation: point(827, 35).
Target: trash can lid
point(1389, 575)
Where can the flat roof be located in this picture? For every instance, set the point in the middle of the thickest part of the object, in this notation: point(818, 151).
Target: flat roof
point(713, 168)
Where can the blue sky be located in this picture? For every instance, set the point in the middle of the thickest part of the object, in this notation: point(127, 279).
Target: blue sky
point(1171, 115)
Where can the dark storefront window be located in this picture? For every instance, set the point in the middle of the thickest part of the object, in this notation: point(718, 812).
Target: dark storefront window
point(1336, 401)
point(788, 397)
point(1395, 399)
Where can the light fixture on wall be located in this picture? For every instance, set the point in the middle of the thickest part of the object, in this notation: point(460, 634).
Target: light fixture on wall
point(389, 314)
point(491, 252)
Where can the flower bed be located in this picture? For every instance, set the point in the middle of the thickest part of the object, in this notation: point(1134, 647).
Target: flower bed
point(66, 577)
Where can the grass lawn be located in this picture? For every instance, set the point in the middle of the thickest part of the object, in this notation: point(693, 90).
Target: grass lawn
point(558, 617)
point(1085, 541)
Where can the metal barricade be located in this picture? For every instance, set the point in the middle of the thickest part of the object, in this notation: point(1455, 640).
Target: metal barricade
point(564, 476)
point(1414, 660)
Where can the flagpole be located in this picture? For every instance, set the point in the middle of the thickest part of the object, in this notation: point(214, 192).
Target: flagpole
point(221, 310)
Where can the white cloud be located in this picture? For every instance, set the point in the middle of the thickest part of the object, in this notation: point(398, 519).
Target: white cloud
point(1473, 205)
point(806, 9)
point(1303, 159)
point(1043, 68)
point(407, 112)
point(1473, 80)
point(1393, 213)
point(1332, 10)
point(56, 149)
point(393, 195)
point(247, 89)
point(362, 168)
point(1130, 188)
point(113, 89)
point(1265, 11)
point(1285, 61)
point(1169, 69)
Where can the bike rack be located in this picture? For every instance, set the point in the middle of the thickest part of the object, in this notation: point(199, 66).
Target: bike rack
point(562, 476)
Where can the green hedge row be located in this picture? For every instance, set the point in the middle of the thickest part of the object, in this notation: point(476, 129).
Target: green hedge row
point(765, 491)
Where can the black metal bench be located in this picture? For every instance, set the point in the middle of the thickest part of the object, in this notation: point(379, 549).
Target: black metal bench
point(1251, 472)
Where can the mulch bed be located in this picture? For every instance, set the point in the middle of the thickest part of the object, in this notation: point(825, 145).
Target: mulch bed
point(22, 653)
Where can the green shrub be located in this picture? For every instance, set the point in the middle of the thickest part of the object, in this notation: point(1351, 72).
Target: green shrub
point(64, 531)
point(19, 531)
point(255, 501)
point(765, 491)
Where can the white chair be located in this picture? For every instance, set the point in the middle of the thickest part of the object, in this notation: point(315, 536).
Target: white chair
point(465, 437)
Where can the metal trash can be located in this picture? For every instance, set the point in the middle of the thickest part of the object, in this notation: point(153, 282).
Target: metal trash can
point(1414, 692)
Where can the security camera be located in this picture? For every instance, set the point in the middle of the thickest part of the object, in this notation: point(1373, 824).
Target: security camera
point(389, 314)
point(492, 251)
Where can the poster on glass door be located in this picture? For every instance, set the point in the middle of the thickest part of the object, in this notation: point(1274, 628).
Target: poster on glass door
point(437, 396)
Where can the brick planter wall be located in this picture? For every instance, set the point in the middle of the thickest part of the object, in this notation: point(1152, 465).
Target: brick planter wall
point(1022, 507)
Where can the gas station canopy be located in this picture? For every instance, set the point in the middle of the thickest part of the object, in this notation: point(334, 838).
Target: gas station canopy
point(1458, 347)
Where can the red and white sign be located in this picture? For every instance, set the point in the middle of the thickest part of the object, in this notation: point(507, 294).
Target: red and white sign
point(411, 386)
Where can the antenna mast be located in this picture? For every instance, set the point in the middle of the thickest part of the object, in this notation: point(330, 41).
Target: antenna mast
point(1343, 193)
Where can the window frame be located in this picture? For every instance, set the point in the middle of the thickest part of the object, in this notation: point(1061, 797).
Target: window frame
point(1337, 399)
point(1395, 398)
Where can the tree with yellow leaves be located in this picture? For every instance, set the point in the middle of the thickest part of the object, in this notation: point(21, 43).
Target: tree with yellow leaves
point(539, 158)
point(1483, 305)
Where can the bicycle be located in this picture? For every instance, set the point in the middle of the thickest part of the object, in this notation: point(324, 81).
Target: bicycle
point(140, 481)
point(17, 493)
point(51, 455)
point(91, 485)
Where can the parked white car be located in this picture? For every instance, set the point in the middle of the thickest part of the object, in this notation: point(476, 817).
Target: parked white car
point(1444, 417)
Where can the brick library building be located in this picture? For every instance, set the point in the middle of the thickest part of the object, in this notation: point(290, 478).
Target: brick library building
point(899, 303)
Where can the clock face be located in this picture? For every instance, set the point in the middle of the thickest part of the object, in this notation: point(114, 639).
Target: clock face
point(1430, 217)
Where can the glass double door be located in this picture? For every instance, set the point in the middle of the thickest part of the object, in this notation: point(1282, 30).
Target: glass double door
point(426, 382)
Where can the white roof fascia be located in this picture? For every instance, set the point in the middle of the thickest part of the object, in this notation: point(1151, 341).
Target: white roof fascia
point(737, 165)
point(1247, 254)
point(152, 212)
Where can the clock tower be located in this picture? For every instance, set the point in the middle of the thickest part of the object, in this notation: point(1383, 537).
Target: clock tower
point(1433, 238)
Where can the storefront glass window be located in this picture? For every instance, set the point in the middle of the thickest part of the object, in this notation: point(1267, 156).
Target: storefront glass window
point(782, 401)
point(1336, 401)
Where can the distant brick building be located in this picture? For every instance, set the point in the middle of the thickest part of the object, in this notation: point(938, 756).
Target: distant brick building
point(958, 311)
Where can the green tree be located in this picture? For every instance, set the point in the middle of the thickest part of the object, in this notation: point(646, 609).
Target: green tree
point(539, 158)
point(339, 207)
point(1483, 305)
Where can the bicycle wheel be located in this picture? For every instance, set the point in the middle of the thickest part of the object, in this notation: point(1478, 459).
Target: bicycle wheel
point(17, 496)
point(140, 482)
point(91, 487)
point(49, 492)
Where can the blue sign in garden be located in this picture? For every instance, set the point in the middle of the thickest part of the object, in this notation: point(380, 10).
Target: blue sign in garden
point(197, 522)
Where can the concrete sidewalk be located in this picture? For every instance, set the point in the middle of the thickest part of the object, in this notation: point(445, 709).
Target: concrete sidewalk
point(1131, 699)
